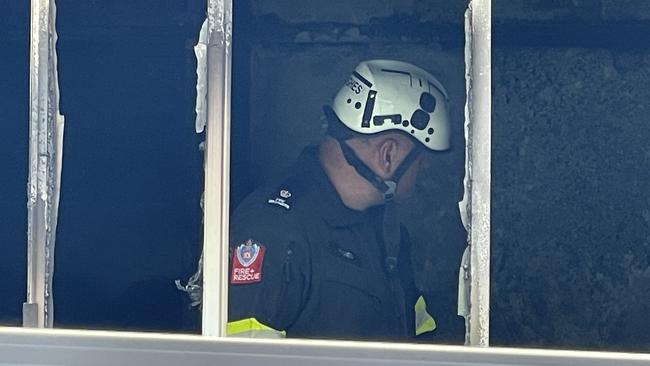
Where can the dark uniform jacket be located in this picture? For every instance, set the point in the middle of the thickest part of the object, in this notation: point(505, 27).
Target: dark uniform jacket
point(305, 265)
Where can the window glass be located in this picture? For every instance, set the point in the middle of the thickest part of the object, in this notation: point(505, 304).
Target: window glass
point(322, 272)
point(130, 216)
point(14, 98)
point(570, 198)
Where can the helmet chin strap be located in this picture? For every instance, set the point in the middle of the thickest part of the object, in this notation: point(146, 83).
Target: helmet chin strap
point(386, 187)
point(391, 226)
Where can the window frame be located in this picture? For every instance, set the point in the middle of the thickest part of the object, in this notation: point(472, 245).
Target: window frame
point(19, 346)
point(478, 143)
point(217, 169)
point(45, 162)
point(46, 146)
point(475, 205)
point(29, 346)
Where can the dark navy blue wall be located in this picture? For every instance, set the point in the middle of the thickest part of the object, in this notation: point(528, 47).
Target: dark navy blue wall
point(130, 219)
point(14, 127)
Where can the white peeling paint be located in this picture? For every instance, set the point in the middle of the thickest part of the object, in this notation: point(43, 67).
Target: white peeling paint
point(201, 53)
point(464, 204)
point(463, 291)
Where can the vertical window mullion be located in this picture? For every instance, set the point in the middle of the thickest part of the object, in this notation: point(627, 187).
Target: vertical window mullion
point(217, 169)
point(478, 54)
point(45, 159)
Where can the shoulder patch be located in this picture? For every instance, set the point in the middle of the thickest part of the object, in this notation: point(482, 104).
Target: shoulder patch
point(247, 261)
point(282, 200)
point(288, 193)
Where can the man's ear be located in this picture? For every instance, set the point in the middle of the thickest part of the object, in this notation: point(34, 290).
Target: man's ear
point(388, 151)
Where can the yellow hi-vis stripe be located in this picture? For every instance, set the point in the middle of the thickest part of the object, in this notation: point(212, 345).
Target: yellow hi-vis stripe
point(251, 328)
point(424, 322)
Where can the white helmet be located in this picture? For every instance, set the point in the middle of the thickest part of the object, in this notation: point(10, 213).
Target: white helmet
point(384, 95)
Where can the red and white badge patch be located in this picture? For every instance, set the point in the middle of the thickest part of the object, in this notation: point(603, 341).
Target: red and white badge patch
point(247, 260)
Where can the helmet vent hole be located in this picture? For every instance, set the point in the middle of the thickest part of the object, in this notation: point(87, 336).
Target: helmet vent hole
point(420, 119)
point(427, 102)
point(349, 101)
point(357, 105)
point(412, 131)
point(427, 139)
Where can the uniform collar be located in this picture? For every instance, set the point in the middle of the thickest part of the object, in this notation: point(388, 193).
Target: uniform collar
point(326, 200)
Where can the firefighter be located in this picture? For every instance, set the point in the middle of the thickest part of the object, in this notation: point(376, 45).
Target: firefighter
point(322, 254)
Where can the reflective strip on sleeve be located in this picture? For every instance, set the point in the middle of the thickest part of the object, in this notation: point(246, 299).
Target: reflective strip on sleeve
point(424, 322)
point(251, 328)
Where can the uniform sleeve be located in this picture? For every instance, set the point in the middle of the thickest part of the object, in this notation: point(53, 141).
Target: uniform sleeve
point(450, 327)
point(435, 312)
point(268, 272)
point(442, 304)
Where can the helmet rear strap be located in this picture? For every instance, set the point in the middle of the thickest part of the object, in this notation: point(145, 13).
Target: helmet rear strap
point(406, 163)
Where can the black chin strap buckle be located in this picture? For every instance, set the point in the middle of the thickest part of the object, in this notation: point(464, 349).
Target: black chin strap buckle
point(389, 193)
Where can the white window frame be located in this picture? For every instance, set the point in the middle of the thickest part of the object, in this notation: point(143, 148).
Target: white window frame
point(46, 133)
point(217, 155)
point(478, 141)
point(217, 169)
point(20, 346)
point(24, 346)
point(45, 159)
